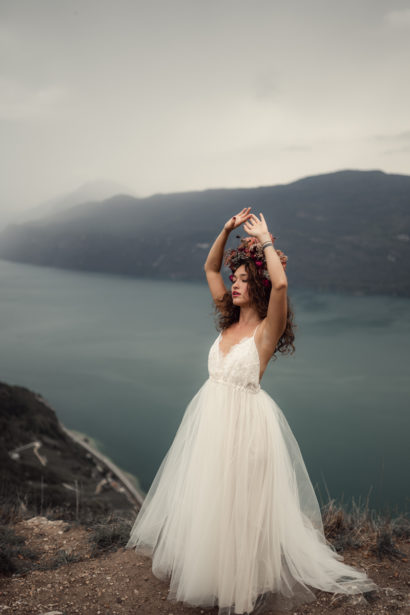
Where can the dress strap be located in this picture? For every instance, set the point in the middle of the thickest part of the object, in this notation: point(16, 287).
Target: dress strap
point(255, 329)
point(253, 335)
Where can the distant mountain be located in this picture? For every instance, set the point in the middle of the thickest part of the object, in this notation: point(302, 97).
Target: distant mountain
point(346, 231)
point(91, 191)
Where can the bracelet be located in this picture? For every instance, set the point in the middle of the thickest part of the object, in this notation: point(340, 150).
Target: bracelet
point(266, 244)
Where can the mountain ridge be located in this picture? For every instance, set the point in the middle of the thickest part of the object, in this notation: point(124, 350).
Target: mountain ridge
point(345, 231)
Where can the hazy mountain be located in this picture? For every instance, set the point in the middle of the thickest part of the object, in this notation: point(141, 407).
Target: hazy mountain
point(348, 231)
point(89, 192)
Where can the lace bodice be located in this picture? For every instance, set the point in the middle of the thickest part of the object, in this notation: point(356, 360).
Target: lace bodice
point(240, 367)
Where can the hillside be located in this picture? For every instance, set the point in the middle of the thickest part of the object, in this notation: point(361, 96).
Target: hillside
point(346, 231)
point(44, 465)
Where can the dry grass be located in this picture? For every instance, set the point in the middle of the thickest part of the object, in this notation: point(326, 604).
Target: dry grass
point(357, 528)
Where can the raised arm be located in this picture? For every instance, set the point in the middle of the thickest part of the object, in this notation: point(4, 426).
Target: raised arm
point(275, 321)
point(213, 263)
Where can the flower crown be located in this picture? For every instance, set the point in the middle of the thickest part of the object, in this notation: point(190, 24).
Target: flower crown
point(251, 248)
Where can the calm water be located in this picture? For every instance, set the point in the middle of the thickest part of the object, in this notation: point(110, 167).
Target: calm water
point(120, 358)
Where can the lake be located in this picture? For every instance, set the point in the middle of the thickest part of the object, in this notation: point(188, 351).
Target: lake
point(119, 359)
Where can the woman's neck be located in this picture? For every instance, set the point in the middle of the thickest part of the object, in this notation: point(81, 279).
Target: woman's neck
point(248, 316)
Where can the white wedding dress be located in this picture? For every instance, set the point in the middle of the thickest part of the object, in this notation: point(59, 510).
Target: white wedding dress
point(231, 514)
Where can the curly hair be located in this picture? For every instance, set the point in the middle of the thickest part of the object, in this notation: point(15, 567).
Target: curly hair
point(226, 313)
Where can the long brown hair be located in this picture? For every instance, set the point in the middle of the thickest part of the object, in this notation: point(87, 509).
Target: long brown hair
point(226, 313)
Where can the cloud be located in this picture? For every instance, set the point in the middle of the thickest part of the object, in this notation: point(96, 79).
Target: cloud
point(17, 101)
point(399, 142)
point(265, 85)
point(8, 37)
point(395, 137)
point(400, 150)
point(398, 19)
point(296, 148)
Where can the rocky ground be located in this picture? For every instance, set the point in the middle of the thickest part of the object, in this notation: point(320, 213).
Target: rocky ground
point(71, 569)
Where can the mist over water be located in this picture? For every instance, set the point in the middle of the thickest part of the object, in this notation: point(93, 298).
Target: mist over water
point(120, 358)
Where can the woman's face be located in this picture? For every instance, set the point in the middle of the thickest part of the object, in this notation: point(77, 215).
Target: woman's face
point(239, 287)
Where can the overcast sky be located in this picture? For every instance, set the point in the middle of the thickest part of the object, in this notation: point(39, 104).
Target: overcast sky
point(176, 95)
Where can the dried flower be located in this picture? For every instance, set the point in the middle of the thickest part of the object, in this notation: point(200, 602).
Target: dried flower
point(251, 248)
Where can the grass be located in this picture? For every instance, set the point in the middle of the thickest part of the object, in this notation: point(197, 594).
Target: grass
point(358, 528)
point(12, 551)
point(110, 535)
point(362, 527)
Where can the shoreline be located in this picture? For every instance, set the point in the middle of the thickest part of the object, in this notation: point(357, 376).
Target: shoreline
point(126, 482)
point(80, 438)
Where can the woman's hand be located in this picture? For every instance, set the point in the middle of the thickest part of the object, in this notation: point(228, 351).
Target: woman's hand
point(238, 219)
point(257, 228)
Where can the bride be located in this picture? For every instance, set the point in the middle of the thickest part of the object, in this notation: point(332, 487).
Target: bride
point(231, 518)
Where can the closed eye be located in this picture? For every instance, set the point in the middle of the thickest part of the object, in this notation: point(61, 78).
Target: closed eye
point(233, 280)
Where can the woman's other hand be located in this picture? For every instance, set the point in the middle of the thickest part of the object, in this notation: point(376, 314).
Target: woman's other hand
point(257, 228)
point(237, 220)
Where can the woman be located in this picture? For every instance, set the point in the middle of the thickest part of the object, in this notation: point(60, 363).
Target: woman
point(231, 517)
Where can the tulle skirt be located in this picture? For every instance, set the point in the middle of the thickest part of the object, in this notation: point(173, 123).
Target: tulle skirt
point(232, 515)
